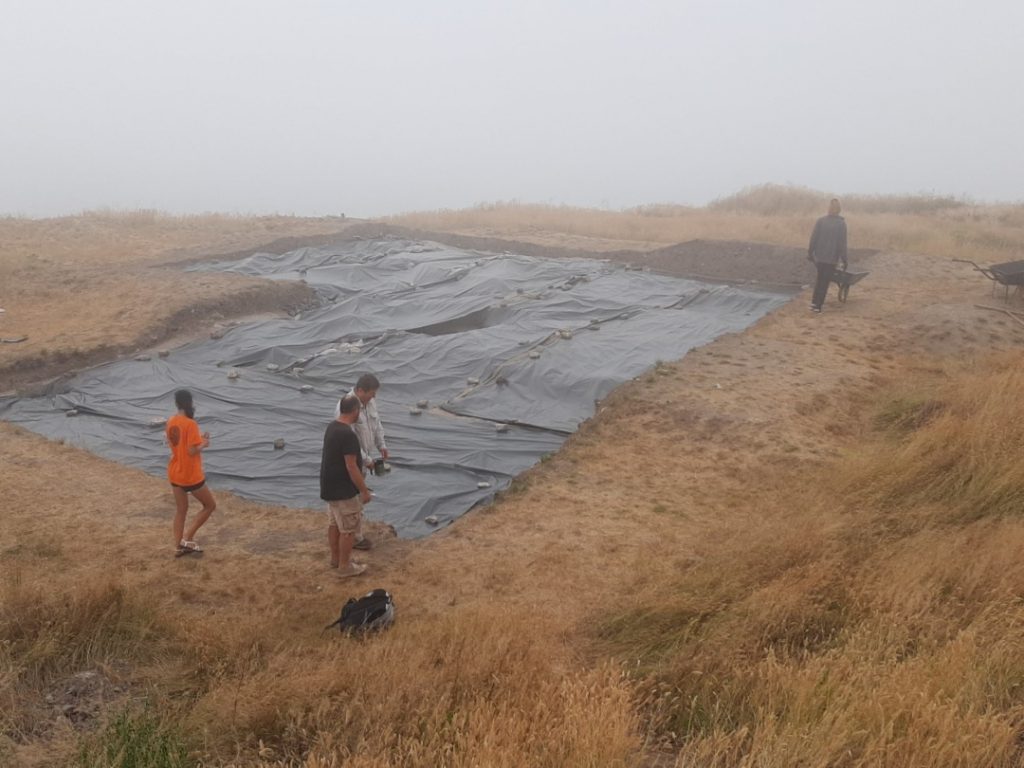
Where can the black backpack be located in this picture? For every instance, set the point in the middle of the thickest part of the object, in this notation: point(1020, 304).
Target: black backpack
point(373, 611)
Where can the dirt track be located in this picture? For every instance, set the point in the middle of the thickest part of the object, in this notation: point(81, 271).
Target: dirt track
point(711, 430)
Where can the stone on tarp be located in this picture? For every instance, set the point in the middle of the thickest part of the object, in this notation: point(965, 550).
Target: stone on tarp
point(279, 444)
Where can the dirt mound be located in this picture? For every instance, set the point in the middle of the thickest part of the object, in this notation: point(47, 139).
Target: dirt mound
point(736, 260)
point(240, 297)
point(732, 261)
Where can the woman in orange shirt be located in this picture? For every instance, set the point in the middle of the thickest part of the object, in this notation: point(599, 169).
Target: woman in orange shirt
point(185, 471)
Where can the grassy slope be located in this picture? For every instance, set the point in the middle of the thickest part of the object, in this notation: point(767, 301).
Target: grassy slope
point(858, 607)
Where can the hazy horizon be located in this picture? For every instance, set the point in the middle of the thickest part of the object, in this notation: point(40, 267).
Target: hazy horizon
point(321, 108)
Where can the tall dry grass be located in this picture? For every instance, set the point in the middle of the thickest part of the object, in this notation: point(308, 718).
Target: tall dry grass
point(867, 614)
point(940, 226)
point(479, 686)
point(871, 617)
point(779, 199)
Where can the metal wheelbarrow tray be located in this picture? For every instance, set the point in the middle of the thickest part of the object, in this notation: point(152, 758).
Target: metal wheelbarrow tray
point(1008, 274)
point(844, 279)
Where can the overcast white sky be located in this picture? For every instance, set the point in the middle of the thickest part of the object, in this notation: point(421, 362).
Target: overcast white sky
point(380, 107)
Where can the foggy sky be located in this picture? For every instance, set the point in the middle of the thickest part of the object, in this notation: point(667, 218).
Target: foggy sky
point(380, 107)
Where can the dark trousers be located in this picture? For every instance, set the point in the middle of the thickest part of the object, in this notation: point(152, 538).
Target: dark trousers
point(825, 272)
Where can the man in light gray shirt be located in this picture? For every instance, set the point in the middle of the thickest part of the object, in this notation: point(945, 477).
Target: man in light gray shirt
point(369, 430)
point(827, 248)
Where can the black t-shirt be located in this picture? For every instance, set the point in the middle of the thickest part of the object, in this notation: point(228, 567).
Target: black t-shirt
point(335, 482)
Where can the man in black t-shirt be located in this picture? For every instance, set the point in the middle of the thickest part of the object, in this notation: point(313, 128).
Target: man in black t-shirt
point(342, 486)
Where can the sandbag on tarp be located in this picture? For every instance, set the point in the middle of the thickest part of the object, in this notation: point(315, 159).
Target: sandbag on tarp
point(485, 338)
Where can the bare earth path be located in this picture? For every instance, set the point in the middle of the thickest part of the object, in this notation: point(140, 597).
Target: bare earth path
point(667, 457)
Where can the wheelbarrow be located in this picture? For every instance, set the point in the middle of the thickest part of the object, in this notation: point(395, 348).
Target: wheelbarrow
point(844, 279)
point(1009, 274)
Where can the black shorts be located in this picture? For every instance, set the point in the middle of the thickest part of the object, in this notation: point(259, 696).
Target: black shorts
point(190, 488)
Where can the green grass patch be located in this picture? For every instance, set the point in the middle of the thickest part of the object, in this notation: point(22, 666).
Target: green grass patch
point(135, 741)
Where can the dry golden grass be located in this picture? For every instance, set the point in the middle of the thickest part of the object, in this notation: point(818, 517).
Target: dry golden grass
point(858, 604)
point(114, 263)
point(472, 688)
point(872, 617)
point(770, 214)
point(868, 615)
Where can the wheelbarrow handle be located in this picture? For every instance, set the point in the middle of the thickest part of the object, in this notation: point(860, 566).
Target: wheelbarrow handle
point(986, 272)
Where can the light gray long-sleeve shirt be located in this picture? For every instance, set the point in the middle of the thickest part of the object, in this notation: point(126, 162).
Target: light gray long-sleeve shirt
point(828, 240)
point(367, 427)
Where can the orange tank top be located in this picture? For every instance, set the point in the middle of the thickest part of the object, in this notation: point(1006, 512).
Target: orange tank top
point(184, 469)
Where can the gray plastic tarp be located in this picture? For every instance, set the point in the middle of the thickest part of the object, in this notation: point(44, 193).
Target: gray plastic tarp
point(545, 339)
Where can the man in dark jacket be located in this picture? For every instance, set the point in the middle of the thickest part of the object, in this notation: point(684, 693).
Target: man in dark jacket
point(827, 248)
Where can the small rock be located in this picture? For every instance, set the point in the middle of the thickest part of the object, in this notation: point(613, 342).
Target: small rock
point(233, 375)
point(217, 333)
point(143, 358)
point(534, 354)
point(157, 422)
point(164, 353)
point(472, 381)
point(298, 370)
point(71, 412)
point(565, 334)
point(483, 484)
point(306, 388)
point(501, 427)
point(430, 520)
point(279, 444)
point(423, 404)
point(273, 367)
point(415, 411)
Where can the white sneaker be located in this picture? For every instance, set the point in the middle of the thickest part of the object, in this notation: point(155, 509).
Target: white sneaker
point(354, 569)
